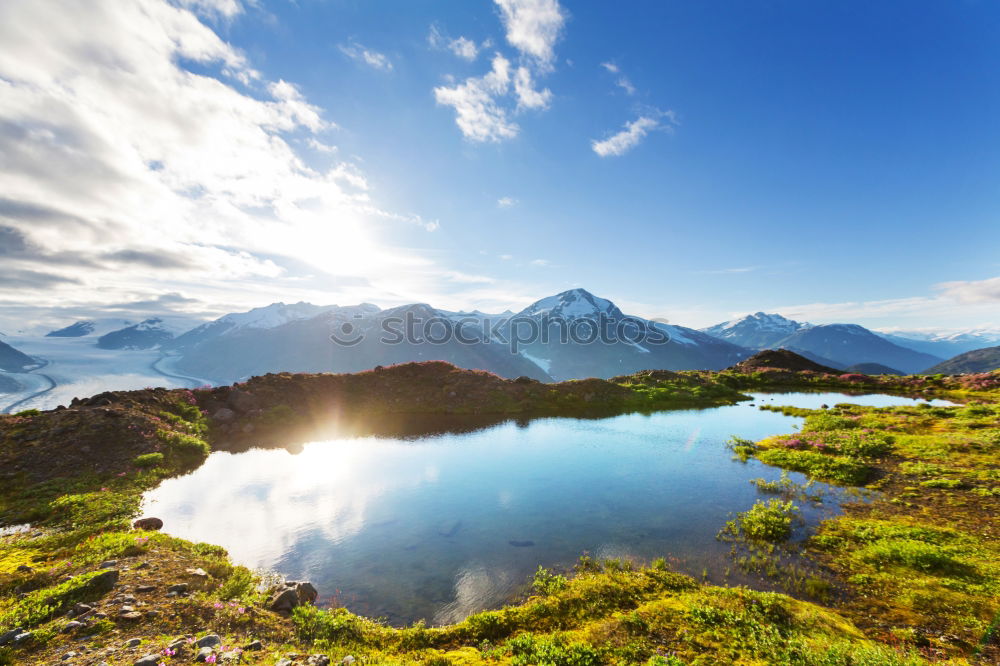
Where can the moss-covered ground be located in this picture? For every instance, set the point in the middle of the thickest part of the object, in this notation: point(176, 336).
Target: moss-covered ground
point(916, 566)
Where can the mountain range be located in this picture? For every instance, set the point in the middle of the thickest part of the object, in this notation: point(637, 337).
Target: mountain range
point(977, 360)
point(550, 340)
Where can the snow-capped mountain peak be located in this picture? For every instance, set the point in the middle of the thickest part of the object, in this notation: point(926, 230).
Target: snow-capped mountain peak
point(758, 330)
point(273, 315)
point(572, 304)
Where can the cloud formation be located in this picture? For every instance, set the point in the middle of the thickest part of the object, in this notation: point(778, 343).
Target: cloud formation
point(141, 154)
point(373, 59)
point(483, 104)
point(632, 134)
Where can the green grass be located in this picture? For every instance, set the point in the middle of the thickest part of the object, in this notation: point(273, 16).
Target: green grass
point(837, 469)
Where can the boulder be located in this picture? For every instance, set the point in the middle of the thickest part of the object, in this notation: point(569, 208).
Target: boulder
point(306, 592)
point(284, 600)
point(223, 415)
point(148, 524)
point(102, 583)
point(9, 636)
point(212, 640)
point(148, 660)
point(204, 653)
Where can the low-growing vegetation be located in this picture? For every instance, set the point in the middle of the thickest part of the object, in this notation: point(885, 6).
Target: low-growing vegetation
point(910, 575)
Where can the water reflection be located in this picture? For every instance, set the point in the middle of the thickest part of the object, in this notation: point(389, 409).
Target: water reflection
point(436, 526)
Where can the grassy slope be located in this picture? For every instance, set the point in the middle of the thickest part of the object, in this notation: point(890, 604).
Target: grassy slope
point(918, 565)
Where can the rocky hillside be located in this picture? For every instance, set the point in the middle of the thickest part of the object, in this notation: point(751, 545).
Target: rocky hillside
point(781, 359)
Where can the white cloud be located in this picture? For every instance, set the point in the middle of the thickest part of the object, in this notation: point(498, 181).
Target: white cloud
point(373, 59)
point(527, 96)
point(539, 262)
point(633, 133)
point(626, 85)
point(533, 27)
point(506, 257)
point(125, 174)
point(214, 8)
point(611, 67)
point(319, 146)
point(506, 202)
point(478, 114)
point(981, 291)
point(464, 48)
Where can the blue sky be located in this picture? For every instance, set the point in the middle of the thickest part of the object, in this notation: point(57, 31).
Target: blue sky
point(834, 161)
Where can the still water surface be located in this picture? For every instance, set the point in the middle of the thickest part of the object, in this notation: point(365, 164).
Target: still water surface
point(443, 525)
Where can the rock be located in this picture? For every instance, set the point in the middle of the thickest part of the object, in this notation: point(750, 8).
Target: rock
point(152, 613)
point(24, 568)
point(148, 660)
point(126, 609)
point(23, 636)
point(102, 583)
point(223, 415)
point(133, 642)
point(68, 655)
point(198, 573)
point(242, 401)
point(231, 656)
point(283, 662)
point(143, 589)
point(148, 524)
point(142, 565)
point(72, 626)
point(108, 564)
point(204, 653)
point(253, 646)
point(212, 640)
point(10, 636)
point(348, 660)
point(178, 646)
point(130, 615)
point(306, 592)
point(318, 660)
point(284, 600)
point(178, 588)
point(80, 609)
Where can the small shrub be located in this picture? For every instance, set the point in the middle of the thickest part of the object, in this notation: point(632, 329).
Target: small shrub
point(149, 460)
point(28, 412)
point(824, 421)
point(951, 484)
point(771, 521)
point(545, 582)
point(910, 553)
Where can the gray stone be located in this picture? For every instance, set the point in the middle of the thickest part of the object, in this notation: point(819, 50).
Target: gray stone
point(204, 653)
point(72, 626)
point(133, 642)
point(143, 589)
point(108, 564)
point(102, 583)
point(179, 588)
point(283, 662)
point(223, 415)
point(348, 660)
point(212, 640)
point(10, 636)
point(24, 568)
point(284, 600)
point(148, 660)
point(68, 655)
point(197, 573)
point(306, 592)
point(253, 646)
point(230, 657)
point(148, 524)
point(318, 660)
point(80, 609)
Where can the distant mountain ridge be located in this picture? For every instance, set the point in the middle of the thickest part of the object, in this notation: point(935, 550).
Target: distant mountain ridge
point(13, 360)
point(975, 361)
point(290, 340)
point(833, 345)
